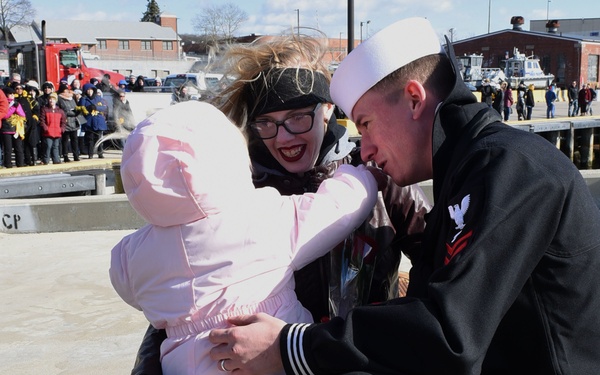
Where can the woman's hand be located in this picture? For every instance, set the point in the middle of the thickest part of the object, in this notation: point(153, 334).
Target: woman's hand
point(250, 347)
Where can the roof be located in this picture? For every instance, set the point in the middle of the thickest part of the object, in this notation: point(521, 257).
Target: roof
point(564, 36)
point(88, 32)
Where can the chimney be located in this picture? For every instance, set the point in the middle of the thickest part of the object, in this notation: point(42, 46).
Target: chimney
point(552, 26)
point(517, 22)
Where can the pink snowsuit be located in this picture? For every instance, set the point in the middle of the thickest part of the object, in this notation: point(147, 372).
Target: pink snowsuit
point(215, 246)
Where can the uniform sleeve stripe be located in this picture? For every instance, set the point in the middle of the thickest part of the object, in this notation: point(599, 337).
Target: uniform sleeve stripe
point(294, 349)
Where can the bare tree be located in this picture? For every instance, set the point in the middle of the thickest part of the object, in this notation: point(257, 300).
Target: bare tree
point(219, 21)
point(15, 13)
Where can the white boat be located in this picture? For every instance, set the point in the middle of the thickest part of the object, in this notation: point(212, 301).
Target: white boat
point(517, 68)
point(522, 68)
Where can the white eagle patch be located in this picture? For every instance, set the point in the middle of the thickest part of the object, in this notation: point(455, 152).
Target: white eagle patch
point(457, 213)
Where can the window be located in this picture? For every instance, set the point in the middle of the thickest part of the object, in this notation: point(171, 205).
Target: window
point(167, 46)
point(592, 73)
point(124, 44)
point(146, 45)
point(102, 44)
point(68, 58)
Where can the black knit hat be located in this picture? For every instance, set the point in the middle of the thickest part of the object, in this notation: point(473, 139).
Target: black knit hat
point(8, 90)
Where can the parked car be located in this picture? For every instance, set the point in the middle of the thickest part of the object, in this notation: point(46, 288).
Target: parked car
point(174, 81)
point(87, 55)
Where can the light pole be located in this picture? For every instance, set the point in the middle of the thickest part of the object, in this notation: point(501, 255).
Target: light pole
point(361, 25)
point(489, 14)
point(298, 20)
point(340, 46)
point(548, 11)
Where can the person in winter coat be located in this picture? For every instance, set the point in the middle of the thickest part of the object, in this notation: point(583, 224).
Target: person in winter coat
point(499, 96)
point(96, 113)
point(32, 142)
point(361, 269)
point(529, 101)
point(507, 280)
point(123, 116)
point(550, 97)
point(53, 122)
point(487, 92)
point(212, 237)
point(521, 90)
point(12, 132)
point(69, 137)
point(3, 111)
point(573, 103)
point(508, 100)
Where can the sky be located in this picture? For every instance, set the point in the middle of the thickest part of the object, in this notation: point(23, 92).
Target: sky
point(466, 18)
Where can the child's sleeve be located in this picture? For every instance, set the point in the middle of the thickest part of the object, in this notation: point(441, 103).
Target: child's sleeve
point(325, 218)
point(119, 276)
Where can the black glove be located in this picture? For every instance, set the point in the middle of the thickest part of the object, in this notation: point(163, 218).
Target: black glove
point(15, 104)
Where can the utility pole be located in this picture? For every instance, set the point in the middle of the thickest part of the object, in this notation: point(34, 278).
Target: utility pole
point(298, 20)
point(341, 49)
point(489, 14)
point(350, 25)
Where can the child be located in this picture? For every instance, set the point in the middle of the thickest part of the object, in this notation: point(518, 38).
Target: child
point(215, 246)
point(13, 130)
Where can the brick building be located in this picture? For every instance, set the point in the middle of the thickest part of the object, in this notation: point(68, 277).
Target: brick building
point(110, 40)
point(570, 57)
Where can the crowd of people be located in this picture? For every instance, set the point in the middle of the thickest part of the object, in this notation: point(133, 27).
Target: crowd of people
point(501, 98)
point(45, 124)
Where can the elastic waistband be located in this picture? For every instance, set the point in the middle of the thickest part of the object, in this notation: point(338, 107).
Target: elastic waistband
point(199, 324)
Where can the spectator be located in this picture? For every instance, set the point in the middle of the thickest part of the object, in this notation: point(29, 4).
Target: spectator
point(131, 83)
point(123, 116)
point(529, 100)
point(68, 104)
point(139, 84)
point(487, 92)
point(521, 90)
point(550, 99)
point(572, 95)
point(96, 112)
point(13, 130)
point(53, 122)
point(32, 142)
point(22, 97)
point(584, 97)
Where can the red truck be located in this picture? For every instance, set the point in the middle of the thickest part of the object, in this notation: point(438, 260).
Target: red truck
point(54, 62)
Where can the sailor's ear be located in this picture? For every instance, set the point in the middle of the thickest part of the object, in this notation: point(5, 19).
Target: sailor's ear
point(415, 92)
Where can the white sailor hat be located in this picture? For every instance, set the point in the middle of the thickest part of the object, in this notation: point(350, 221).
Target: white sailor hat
point(383, 53)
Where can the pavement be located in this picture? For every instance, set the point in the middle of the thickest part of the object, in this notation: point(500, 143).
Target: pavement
point(60, 314)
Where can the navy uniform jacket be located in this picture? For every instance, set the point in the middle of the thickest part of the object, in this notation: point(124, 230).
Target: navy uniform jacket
point(507, 281)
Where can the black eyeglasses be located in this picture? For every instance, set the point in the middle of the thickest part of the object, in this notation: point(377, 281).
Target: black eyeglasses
point(298, 123)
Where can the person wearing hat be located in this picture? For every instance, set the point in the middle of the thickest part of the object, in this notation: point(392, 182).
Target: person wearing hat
point(53, 122)
point(123, 86)
point(96, 112)
point(32, 144)
point(12, 131)
point(131, 82)
point(47, 89)
point(31, 138)
point(507, 277)
point(68, 104)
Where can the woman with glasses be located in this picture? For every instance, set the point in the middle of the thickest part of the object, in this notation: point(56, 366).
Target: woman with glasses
point(281, 98)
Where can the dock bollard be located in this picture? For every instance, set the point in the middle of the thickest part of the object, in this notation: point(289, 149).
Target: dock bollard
point(118, 181)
